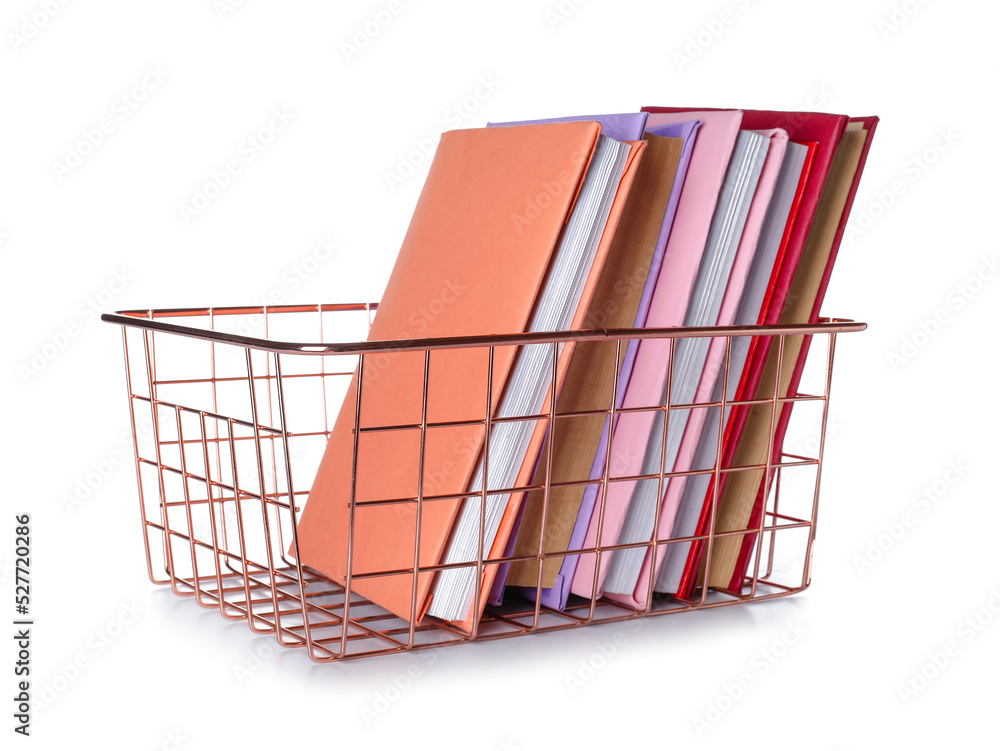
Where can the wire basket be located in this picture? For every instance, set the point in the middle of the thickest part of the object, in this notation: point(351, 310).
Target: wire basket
point(231, 409)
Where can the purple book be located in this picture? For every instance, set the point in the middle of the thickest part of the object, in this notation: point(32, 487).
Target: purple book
point(556, 597)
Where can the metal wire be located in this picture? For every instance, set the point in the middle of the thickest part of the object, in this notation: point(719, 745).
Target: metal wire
point(191, 473)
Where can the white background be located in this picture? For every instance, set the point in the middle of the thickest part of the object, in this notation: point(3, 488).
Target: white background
point(169, 678)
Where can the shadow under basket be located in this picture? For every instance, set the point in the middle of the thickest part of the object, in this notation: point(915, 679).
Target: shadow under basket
point(231, 409)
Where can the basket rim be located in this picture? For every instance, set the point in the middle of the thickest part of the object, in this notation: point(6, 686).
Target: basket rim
point(148, 320)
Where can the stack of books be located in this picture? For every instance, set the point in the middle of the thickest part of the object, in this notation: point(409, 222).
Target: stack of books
point(662, 218)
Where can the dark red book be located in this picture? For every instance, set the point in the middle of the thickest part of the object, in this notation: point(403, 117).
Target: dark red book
point(746, 551)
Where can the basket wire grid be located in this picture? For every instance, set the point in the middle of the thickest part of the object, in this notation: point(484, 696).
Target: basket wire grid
point(228, 429)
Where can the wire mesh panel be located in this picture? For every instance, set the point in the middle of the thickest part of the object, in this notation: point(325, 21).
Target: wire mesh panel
point(231, 410)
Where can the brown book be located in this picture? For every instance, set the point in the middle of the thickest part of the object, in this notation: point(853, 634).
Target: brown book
point(739, 493)
point(592, 371)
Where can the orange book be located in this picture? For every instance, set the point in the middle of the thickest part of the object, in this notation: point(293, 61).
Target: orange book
point(473, 260)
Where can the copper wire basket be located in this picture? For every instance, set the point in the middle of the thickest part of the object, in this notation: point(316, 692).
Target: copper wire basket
point(231, 409)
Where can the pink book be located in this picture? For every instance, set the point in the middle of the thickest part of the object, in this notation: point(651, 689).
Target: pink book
point(706, 173)
point(714, 361)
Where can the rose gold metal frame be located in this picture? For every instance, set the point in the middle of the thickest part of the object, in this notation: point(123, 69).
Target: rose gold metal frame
point(219, 493)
